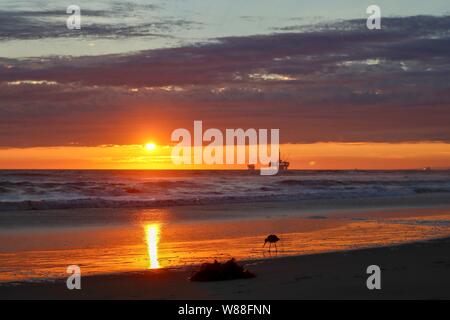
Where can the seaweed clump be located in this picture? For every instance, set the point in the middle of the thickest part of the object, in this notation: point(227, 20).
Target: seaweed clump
point(217, 271)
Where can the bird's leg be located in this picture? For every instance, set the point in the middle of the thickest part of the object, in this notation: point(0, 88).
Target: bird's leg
point(276, 249)
point(270, 246)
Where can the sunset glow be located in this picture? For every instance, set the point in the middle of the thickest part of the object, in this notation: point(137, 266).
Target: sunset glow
point(317, 156)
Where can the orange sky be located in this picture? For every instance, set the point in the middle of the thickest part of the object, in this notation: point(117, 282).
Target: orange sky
point(301, 156)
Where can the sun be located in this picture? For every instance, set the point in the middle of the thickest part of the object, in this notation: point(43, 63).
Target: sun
point(150, 146)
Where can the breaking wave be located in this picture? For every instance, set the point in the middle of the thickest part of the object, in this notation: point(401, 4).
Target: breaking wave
point(34, 190)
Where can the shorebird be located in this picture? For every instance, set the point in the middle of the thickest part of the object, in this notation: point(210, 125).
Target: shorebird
point(271, 239)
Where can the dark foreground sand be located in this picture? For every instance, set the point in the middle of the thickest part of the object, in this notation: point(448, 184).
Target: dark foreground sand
point(412, 271)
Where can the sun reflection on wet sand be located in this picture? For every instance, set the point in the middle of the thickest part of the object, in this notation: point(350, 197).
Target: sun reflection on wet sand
point(152, 239)
point(46, 253)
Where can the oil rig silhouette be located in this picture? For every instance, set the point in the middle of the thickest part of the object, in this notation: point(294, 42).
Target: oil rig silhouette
point(282, 165)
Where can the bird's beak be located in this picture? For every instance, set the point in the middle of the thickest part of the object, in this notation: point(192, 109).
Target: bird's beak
point(264, 244)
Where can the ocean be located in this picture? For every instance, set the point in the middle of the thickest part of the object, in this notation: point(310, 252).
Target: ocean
point(67, 189)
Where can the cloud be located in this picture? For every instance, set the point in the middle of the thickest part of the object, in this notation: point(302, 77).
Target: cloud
point(117, 21)
point(339, 82)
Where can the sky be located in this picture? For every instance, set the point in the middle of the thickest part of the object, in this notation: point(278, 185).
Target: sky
point(342, 96)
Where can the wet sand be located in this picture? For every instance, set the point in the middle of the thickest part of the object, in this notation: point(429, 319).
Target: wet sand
point(412, 271)
point(148, 243)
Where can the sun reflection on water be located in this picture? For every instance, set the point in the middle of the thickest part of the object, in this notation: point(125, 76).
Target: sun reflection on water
point(152, 239)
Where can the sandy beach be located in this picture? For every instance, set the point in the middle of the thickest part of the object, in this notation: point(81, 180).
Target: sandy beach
point(325, 250)
point(412, 271)
point(39, 245)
